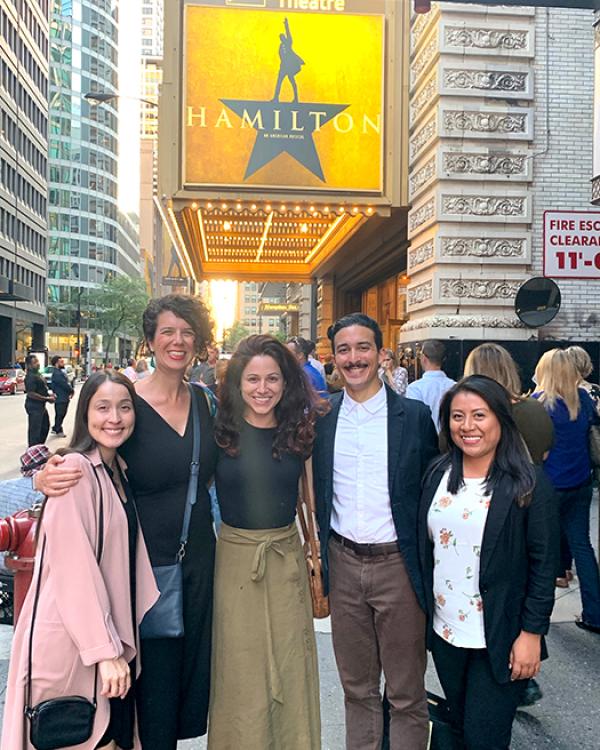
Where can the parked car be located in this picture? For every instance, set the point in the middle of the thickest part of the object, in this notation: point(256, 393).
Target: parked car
point(12, 380)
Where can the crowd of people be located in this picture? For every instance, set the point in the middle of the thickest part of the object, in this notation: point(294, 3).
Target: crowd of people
point(447, 512)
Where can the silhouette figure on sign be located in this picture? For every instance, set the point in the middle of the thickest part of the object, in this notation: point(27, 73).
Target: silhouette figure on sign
point(291, 63)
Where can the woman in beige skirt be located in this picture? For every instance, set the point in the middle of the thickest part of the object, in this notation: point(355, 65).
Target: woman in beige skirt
point(265, 685)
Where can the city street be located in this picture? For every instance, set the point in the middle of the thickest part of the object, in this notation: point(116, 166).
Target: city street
point(13, 421)
point(568, 717)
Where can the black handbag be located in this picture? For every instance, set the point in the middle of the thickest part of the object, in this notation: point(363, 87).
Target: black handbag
point(442, 733)
point(61, 722)
point(165, 619)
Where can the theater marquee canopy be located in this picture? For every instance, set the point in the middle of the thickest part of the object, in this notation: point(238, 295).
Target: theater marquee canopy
point(279, 123)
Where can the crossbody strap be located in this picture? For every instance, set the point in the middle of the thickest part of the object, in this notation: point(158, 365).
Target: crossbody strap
point(192, 490)
point(99, 548)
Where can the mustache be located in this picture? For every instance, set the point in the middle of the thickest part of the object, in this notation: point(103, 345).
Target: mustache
point(355, 366)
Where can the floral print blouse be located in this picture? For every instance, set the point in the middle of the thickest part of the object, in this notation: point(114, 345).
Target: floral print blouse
point(456, 524)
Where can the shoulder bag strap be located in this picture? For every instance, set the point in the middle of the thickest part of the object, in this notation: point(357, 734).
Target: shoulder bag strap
point(99, 548)
point(307, 511)
point(192, 490)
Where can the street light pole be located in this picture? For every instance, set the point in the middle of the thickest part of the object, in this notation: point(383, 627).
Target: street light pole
point(79, 293)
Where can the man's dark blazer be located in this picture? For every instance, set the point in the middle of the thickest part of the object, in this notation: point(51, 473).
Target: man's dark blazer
point(412, 443)
point(518, 564)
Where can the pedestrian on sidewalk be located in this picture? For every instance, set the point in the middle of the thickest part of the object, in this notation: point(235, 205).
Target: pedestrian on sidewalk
point(488, 540)
point(264, 677)
point(434, 382)
point(174, 686)
point(92, 584)
point(569, 469)
point(37, 396)
point(369, 458)
point(63, 393)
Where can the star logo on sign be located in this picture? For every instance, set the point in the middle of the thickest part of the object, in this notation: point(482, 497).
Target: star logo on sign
point(284, 127)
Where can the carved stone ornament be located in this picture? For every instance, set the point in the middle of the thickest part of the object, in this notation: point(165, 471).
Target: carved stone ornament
point(485, 80)
point(423, 59)
point(421, 215)
point(485, 122)
point(502, 164)
point(478, 289)
point(422, 137)
point(474, 205)
point(419, 23)
point(421, 254)
point(488, 39)
point(423, 98)
point(463, 321)
point(422, 176)
point(420, 293)
point(479, 247)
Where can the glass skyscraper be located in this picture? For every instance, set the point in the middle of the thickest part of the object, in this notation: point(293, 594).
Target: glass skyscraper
point(85, 243)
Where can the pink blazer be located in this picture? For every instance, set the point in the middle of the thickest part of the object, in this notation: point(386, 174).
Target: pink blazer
point(84, 609)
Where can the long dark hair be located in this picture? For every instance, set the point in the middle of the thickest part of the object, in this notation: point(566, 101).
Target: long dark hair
point(81, 440)
point(295, 414)
point(510, 463)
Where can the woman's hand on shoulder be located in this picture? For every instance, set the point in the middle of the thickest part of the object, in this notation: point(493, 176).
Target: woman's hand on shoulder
point(56, 478)
point(525, 656)
point(116, 677)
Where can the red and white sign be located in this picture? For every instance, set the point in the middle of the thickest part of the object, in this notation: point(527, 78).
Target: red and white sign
point(572, 244)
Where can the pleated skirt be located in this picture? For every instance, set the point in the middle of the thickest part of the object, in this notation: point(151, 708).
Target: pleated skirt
point(264, 676)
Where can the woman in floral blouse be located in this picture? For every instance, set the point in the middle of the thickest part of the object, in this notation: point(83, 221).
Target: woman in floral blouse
point(488, 534)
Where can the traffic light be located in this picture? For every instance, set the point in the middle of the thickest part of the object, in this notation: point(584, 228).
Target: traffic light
point(86, 343)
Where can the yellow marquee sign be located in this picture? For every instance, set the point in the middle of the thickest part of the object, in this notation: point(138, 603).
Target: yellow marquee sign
point(283, 100)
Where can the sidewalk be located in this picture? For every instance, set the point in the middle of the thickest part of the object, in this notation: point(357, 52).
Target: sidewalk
point(568, 717)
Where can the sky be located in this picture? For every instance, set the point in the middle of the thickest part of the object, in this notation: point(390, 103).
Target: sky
point(130, 15)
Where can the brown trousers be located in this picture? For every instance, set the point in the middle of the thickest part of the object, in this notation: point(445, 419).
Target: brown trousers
point(377, 625)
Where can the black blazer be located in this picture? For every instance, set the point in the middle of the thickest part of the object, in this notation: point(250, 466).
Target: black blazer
point(412, 443)
point(518, 564)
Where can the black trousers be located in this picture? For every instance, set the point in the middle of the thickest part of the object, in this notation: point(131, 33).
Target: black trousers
point(39, 424)
point(60, 412)
point(483, 709)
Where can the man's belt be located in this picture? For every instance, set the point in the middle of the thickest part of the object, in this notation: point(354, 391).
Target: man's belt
point(365, 548)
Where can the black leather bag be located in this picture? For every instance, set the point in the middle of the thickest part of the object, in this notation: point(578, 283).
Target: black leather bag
point(165, 619)
point(61, 722)
point(442, 734)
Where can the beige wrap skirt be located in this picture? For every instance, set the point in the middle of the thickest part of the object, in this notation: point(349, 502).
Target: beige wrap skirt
point(264, 677)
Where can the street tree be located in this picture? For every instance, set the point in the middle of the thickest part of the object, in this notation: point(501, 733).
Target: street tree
point(232, 336)
point(117, 308)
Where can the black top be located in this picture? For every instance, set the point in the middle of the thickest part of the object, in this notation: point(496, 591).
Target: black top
point(122, 710)
point(35, 383)
point(255, 490)
point(158, 466)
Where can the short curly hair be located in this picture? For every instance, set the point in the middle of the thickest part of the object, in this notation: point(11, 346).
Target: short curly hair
point(184, 306)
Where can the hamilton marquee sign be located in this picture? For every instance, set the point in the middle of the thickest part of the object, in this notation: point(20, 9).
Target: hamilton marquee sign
point(288, 99)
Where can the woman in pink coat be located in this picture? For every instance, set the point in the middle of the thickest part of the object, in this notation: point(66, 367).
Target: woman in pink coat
point(88, 613)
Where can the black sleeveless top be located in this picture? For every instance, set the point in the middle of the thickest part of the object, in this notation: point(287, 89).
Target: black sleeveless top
point(255, 490)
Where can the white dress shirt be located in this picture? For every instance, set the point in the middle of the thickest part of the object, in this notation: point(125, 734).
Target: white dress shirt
point(362, 508)
point(430, 389)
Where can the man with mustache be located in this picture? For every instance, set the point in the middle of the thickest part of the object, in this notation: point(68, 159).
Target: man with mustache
point(368, 460)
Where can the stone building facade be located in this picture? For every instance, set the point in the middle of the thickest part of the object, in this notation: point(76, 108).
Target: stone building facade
point(501, 130)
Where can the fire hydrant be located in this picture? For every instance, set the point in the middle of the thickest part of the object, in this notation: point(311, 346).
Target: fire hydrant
point(17, 539)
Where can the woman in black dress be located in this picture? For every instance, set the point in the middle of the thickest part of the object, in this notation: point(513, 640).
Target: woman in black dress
point(265, 687)
point(173, 689)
